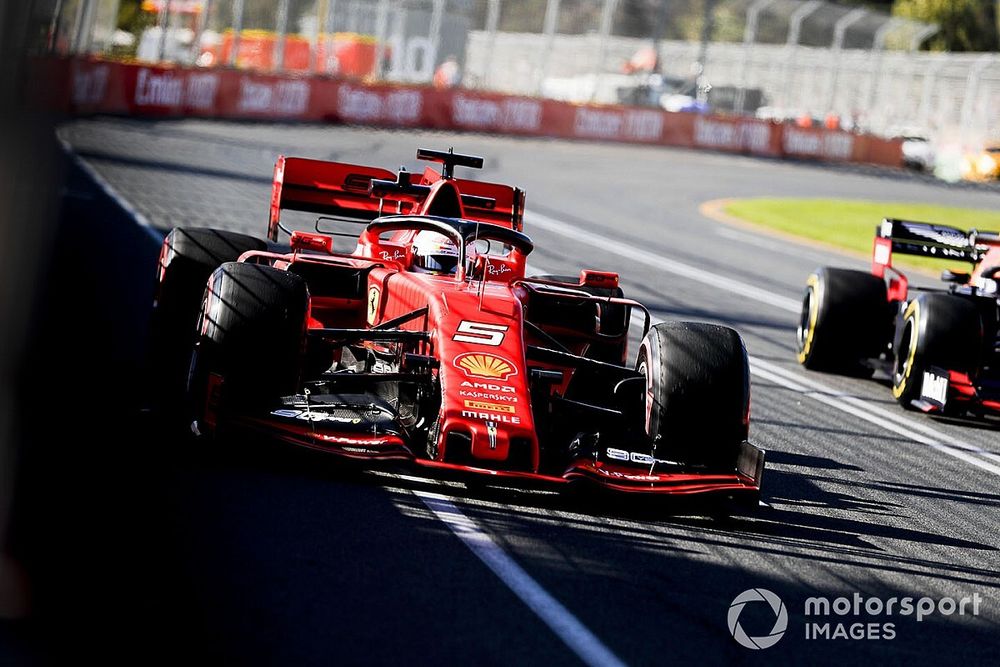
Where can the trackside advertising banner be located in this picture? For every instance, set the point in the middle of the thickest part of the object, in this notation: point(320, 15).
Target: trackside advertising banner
point(86, 86)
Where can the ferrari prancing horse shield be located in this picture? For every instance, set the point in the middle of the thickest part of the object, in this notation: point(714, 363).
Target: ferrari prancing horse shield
point(374, 296)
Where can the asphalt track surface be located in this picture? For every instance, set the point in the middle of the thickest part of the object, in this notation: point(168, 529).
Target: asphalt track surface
point(280, 558)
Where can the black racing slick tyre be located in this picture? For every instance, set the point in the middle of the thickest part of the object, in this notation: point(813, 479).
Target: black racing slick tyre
point(845, 320)
point(935, 330)
point(250, 342)
point(187, 259)
point(697, 393)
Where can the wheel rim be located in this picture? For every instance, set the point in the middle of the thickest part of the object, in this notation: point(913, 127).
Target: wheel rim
point(904, 358)
point(804, 332)
point(643, 368)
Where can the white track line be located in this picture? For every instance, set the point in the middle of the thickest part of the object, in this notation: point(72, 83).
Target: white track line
point(902, 420)
point(769, 243)
point(608, 244)
point(103, 184)
point(865, 412)
point(899, 424)
point(560, 620)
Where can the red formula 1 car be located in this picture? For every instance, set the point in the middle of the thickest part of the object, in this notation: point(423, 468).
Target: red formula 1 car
point(425, 342)
point(941, 347)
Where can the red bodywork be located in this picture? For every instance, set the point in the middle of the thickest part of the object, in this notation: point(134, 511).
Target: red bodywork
point(477, 331)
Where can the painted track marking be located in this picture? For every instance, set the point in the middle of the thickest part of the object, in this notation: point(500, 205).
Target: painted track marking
point(560, 620)
point(608, 244)
point(103, 184)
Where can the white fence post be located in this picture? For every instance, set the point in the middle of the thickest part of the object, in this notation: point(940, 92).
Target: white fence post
point(237, 32)
point(878, 53)
point(331, 11)
point(381, 25)
point(923, 35)
point(164, 28)
point(795, 21)
point(281, 30)
point(839, 32)
point(604, 32)
point(200, 29)
point(971, 90)
point(549, 31)
point(437, 18)
point(492, 25)
point(749, 37)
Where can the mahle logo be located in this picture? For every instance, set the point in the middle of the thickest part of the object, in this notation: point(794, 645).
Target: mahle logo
point(780, 618)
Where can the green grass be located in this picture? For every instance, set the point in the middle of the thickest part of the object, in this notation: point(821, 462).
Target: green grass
point(850, 224)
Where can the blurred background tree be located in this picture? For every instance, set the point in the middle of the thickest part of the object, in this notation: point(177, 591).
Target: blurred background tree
point(131, 17)
point(966, 25)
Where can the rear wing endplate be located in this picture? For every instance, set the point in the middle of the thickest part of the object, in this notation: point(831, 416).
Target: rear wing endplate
point(327, 188)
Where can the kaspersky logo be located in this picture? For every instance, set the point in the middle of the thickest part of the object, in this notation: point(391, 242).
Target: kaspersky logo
point(758, 596)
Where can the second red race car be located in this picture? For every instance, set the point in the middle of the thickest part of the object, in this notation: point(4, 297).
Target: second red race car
point(425, 342)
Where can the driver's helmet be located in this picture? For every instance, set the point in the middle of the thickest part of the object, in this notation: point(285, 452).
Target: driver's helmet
point(434, 253)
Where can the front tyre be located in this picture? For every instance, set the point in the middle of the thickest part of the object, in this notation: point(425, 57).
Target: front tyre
point(844, 320)
point(697, 393)
point(250, 343)
point(187, 259)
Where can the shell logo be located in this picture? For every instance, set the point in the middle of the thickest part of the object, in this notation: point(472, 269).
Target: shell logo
point(484, 365)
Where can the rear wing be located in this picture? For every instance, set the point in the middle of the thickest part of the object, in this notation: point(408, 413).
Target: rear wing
point(346, 191)
point(929, 240)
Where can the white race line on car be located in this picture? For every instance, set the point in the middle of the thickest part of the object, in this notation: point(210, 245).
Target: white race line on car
point(796, 381)
point(560, 620)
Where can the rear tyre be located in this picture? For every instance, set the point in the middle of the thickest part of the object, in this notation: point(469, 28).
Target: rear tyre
point(697, 393)
point(845, 320)
point(936, 330)
point(187, 259)
point(251, 341)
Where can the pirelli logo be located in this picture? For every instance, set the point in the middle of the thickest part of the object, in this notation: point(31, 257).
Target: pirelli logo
point(492, 407)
